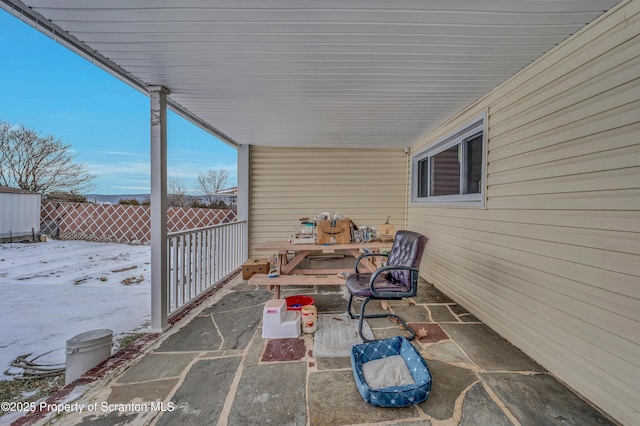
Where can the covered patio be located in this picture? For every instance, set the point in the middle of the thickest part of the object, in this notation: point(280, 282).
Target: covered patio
point(505, 131)
point(214, 367)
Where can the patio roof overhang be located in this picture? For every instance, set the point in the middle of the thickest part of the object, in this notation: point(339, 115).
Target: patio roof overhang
point(305, 73)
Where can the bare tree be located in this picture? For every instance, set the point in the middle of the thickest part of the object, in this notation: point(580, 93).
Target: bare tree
point(210, 182)
point(39, 163)
point(177, 193)
point(5, 130)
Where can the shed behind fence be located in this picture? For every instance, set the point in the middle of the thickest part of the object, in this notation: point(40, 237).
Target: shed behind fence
point(19, 214)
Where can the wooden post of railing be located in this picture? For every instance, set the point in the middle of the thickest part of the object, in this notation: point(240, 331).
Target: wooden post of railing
point(243, 197)
point(159, 243)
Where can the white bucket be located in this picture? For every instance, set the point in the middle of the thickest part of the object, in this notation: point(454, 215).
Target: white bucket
point(85, 351)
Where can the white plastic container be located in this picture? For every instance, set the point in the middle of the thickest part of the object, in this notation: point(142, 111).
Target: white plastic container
point(278, 322)
point(85, 351)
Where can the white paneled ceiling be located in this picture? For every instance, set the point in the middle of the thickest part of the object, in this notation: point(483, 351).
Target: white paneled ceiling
point(358, 73)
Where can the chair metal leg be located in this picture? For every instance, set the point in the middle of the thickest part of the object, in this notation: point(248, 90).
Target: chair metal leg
point(349, 307)
point(362, 316)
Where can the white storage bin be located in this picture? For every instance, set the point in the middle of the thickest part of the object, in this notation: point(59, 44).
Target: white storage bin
point(278, 322)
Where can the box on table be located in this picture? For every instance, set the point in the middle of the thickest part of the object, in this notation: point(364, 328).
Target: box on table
point(387, 232)
point(253, 266)
point(333, 231)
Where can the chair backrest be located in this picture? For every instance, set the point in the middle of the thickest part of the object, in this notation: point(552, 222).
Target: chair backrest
point(407, 250)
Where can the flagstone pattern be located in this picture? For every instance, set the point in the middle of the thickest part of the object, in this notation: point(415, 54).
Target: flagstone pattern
point(215, 368)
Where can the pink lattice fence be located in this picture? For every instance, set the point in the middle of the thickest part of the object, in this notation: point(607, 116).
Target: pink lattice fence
point(120, 223)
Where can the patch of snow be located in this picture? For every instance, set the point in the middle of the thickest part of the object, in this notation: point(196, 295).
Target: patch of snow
point(29, 394)
point(53, 291)
point(75, 394)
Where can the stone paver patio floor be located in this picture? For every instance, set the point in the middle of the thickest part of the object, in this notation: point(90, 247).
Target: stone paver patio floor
point(214, 368)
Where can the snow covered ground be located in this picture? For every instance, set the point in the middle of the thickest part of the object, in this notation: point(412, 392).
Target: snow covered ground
point(50, 292)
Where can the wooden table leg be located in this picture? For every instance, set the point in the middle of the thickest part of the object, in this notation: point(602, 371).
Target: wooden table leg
point(281, 262)
point(364, 262)
point(286, 270)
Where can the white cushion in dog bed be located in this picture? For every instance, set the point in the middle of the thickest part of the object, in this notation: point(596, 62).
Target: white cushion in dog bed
point(388, 371)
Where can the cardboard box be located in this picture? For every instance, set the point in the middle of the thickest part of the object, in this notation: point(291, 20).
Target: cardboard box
point(253, 266)
point(333, 231)
point(387, 232)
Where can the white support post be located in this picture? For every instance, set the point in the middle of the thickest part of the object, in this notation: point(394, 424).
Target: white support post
point(243, 194)
point(159, 262)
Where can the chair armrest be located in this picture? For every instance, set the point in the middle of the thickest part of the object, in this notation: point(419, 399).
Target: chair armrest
point(374, 276)
point(362, 256)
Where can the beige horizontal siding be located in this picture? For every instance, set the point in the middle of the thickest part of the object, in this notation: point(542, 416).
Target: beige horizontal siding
point(588, 128)
point(564, 342)
point(289, 183)
point(552, 262)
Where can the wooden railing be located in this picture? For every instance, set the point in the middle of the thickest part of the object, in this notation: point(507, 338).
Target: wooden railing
point(201, 258)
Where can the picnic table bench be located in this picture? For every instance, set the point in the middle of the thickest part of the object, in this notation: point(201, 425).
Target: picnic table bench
point(293, 280)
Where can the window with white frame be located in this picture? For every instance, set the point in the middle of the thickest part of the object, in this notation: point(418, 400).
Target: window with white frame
point(452, 170)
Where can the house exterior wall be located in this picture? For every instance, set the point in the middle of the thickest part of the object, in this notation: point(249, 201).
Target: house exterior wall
point(552, 261)
point(19, 216)
point(365, 185)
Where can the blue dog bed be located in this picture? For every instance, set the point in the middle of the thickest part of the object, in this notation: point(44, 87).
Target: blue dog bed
point(380, 351)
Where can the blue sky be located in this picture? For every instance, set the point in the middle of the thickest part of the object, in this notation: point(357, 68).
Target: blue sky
point(46, 87)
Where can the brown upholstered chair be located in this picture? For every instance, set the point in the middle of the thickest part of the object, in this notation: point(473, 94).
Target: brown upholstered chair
point(396, 280)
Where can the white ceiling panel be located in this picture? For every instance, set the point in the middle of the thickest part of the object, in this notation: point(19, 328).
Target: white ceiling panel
point(357, 73)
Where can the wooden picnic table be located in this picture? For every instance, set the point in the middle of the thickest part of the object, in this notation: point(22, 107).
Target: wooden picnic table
point(290, 274)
